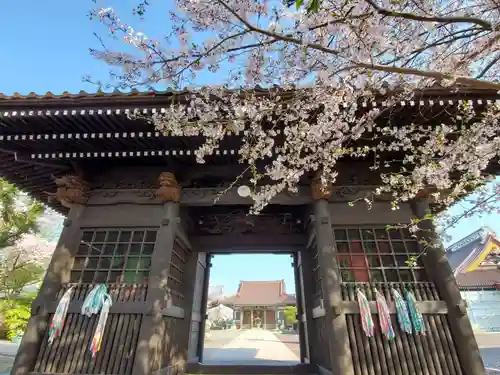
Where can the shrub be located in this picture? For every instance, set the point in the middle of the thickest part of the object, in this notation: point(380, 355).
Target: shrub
point(16, 320)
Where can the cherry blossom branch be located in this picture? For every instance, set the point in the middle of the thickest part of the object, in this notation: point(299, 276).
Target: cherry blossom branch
point(410, 16)
point(375, 67)
point(493, 61)
point(349, 54)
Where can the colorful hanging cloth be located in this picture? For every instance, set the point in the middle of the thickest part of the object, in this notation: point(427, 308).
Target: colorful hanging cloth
point(98, 300)
point(415, 315)
point(95, 344)
point(57, 323)
point(384, 316)
point(366, 315)
point(402, 312)
point(94, 300)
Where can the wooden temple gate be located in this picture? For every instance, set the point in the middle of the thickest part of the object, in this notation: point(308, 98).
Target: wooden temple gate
point(144, 223)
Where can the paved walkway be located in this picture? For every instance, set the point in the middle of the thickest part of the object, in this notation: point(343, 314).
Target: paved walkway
point(252, 347)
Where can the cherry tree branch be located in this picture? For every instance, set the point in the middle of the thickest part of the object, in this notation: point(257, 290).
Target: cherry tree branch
point(410, 16)
point(493, 62)
point(371, 66)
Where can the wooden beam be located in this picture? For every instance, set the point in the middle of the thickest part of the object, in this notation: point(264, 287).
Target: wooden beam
point(249, 243)
point(298, 369)
point(132, 307)
point(26, 158)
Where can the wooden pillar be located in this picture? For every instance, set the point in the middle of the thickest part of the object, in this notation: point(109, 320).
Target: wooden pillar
point(204, 307)
point(72, 192)
point(302, 314)
point(265, 317)
point(149, 354)
point(340, 352)
point(193, 293)
point(251, 318)
point(440, 271)
point(308, 301)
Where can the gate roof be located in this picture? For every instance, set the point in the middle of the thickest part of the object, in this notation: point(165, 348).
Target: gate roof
point(48, 135)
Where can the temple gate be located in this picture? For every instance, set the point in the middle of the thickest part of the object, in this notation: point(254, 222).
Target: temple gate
point(141, 218)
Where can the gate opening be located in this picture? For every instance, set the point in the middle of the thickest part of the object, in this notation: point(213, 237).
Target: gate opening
point(252, 310)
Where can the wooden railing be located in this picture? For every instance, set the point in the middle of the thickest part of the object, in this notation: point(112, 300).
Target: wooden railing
point(118, 292)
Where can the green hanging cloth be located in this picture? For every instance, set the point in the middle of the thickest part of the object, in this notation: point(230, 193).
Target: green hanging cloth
point(415, 315)
point(402, 312)
point(97, 301)
point(94, 300)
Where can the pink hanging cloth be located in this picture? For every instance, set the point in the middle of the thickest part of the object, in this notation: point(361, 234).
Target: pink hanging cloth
point(366, 315)
point(384, 315)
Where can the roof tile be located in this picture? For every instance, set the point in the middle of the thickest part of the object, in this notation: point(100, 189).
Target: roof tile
point(479, 278)
point(262, 293)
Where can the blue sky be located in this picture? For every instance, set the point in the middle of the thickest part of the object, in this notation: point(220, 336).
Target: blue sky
point(45, 48)
point(229, 270)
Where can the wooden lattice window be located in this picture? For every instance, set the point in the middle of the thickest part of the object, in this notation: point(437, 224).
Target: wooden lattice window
point(316, 275)
point(378, 255)
point(114, 256)
point(177, 273)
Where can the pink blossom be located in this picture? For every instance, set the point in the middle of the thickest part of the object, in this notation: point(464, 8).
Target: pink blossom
point(347, 56)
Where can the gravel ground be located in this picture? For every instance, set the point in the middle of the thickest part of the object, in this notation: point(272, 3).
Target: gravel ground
point(5, 364)
point(291, 341)
point(491, 357)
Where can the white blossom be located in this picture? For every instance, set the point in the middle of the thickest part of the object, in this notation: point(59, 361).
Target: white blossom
point(325, 64)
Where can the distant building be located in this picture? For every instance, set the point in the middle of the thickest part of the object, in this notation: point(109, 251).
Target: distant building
point(475, 260)
point(260, 304)
point(220, 312)
point(215, 292)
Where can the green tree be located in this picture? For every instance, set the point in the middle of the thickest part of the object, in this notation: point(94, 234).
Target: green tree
point(19, 215)
point(21, 263)
point(290, 315)
point(16, 314)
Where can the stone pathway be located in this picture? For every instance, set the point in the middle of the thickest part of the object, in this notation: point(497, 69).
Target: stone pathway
point(252, 347)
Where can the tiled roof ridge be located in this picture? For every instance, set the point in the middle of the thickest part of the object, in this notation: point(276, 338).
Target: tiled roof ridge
point(121, 93)
point(433, 90)
point(261, 281)
point(471, 258)
point(479, 278)
point(486, 230)
point(83, 93)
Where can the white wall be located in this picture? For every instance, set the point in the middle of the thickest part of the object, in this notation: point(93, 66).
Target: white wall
point(484, 309)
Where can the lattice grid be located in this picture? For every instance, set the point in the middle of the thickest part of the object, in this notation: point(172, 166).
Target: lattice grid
point(378, 255)
point(114, 256)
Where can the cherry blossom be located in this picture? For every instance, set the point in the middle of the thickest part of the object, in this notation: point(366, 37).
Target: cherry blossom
point(317, 67)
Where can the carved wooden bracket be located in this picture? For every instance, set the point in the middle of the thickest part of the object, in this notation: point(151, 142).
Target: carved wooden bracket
point(70, 190)
point(320, 191)
point(169, 190)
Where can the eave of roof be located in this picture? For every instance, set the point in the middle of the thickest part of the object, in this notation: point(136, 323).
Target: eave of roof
point(261, 293)
point(42, 126)
point(472, 254)
point(428, 96)
point(490, 244)
point(480, 278)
